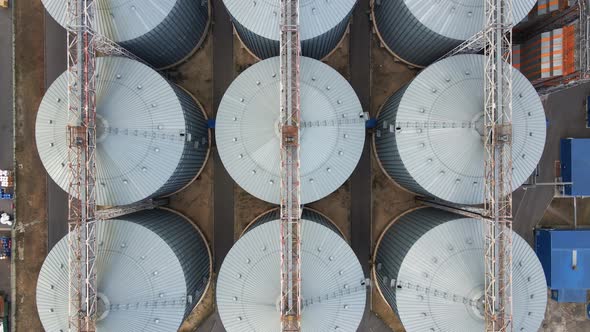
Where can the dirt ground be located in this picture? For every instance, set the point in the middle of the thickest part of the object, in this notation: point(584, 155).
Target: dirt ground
point(30, 229)
point(565, 317)
point(561, 213)
point(389, 199)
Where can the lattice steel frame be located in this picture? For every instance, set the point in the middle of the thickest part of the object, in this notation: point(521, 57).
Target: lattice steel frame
point(498, 165)
point(290, 53)
point(83, 46)
point(81, 132)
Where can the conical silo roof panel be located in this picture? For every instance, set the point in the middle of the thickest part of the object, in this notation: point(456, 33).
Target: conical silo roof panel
point(152, 137)
point(333, 286)
point(153, 268)
point(332, 130)
point(323, 24)
point(430, 133)
point(429, 267)
point(162, 33)
point(421, 31)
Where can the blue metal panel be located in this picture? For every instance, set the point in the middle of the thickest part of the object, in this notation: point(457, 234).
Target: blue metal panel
point(565, 257)
point(569, 295)
point(566, 161)
point(575, 163)
point(543, 250)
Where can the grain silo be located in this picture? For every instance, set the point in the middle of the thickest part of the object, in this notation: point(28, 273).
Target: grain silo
point(323, 24)
point(163, 33)
point(332, 130)
point(153, 268)
point(429, 136)
point(421, 31)
point(429, 267)
point(333, 283)
point(152, 137)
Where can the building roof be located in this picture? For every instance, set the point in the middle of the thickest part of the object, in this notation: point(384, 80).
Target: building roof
point(459, 19)
point(332, 134)
point(145, 282)
point(316, 17)
point(440, 117)
point(140, 122)
point(333, 290)
point(119, 20)
point(556, 249)
point(575, 163)
point(430, 269)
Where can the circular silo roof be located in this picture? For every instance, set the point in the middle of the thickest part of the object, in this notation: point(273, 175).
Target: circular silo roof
point(119, 20)
point(440, 275)
point(439, 126)
point(332, 133)
point(316, 17)
point(459, 19)
point(141, 282)
point(140, 125)
point(333, 290)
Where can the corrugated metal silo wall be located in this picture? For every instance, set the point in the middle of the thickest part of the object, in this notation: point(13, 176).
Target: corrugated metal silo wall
point(386, 145)
point(175, 37)
point(306, 215)
point(407, 37)
point(187, 244)
point(195, 150)
point(316, 48)
point(398, 240)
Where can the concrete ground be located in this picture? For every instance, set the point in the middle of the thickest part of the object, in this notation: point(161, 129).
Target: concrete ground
point(566, 118)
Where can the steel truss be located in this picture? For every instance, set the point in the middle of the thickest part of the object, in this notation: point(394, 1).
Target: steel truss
point(290, 118)
point(83, 46)
point(81, 132)
point(495, 40)
point(498, 165)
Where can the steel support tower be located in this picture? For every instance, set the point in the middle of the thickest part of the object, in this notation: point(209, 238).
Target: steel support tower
point(290, 117)
point(83, 44)
point(498, 165)
point(81, 133)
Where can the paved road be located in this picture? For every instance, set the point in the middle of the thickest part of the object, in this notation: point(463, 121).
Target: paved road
point(360, 79)
point(361, 182)
point(6, 131)
point(223, 184)
point(55, 65)
point(6, 107)
point(565, 112)
point(223, 75)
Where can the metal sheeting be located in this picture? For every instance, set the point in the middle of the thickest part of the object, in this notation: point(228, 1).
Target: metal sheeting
point(438, 150)
point(429, 268)
point(161, 32)
point(153, 268)
point(332, 135)
point(307, 214)
point(248, 286)
point(152, 137)
point(323, 23)
point(421, 31)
